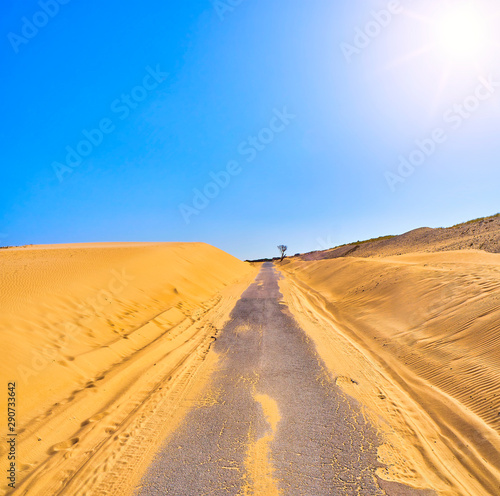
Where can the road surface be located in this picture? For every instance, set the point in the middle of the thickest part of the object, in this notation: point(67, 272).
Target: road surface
point(271, 420)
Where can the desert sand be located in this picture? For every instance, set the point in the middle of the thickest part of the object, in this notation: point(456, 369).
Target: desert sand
point(110, 346)
point(415, 338)
point(271, 420)
point(104, 342)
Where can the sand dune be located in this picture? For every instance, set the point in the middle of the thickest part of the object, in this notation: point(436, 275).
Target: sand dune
point(108, 345)
point(415, 338)
point(103, 341)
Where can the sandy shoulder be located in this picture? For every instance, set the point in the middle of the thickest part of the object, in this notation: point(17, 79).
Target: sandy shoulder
point(415, 339)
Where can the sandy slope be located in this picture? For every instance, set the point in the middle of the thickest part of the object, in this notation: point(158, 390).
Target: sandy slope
point(103, 341)
point(480, 234)
point(416, 338)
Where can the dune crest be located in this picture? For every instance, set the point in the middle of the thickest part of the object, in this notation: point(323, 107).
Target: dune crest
point(415, 338)
point(104, 342)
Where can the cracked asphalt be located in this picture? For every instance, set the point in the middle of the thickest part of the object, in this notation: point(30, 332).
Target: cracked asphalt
point(303, 436)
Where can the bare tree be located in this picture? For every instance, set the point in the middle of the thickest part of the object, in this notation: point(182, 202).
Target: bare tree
point(282, 249)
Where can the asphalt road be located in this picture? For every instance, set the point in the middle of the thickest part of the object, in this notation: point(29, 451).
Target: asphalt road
point(271, 420)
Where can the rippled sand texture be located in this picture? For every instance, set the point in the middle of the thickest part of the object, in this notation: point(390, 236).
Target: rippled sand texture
point(104, 342)
point(416, 339)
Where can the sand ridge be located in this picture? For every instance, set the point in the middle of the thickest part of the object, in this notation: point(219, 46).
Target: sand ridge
point(104, 342)
point(415, 338)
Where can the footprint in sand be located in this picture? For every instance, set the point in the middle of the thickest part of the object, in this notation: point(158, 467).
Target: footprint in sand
point(94, 418)
point(123, 438)
point(64, 446)
point(23, 467)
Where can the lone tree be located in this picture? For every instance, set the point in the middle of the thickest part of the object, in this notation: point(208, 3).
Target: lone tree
point(282, 249)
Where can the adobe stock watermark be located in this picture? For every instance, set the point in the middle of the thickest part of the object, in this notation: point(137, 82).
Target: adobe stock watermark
point(31, 27)
point(225, 7)
point(453, 118)
point(323, 244)
point(250, 149)
point(121, 107)
point(364, 36)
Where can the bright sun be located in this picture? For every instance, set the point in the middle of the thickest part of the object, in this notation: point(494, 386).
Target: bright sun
point(463, 32)
point(449, 42)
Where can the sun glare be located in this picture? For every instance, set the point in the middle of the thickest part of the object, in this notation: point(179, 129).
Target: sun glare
point(463, 32)
point(446, 44)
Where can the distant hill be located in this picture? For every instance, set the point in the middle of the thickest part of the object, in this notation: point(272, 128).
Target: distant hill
point(477, 234)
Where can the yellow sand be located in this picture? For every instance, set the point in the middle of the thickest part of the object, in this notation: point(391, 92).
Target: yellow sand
point(104, 342)
point(416, 339)
point(260, 480)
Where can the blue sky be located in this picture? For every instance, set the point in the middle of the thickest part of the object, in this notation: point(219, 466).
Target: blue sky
point(184, 88)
